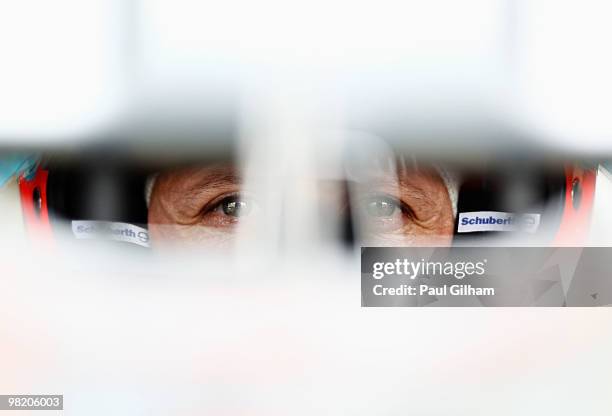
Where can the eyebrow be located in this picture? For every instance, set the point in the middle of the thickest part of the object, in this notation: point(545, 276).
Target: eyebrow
point(414, 189)
point(218, 178)
point(402, 181)
point(208, 180)
point(215, 178)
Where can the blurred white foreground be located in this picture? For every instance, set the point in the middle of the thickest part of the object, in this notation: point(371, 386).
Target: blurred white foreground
point(260, 333)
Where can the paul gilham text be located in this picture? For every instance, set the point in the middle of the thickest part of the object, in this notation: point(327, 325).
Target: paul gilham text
point(453, 290)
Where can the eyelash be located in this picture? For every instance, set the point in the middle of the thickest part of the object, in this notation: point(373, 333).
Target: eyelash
point(215, 203)
point(405, 208)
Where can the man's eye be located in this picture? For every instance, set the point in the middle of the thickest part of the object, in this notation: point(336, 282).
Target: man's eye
point(381, 207)
point(383, 213)
point(235, 206)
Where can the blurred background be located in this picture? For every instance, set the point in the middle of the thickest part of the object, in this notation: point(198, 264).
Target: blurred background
point(186, 186)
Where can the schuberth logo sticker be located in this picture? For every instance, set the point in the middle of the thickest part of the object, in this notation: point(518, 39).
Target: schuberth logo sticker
point(470, 222)
point(106, 230)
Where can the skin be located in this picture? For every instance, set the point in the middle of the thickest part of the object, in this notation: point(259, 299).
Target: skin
point(189, 206)
point(184, 206)
point(424, 214)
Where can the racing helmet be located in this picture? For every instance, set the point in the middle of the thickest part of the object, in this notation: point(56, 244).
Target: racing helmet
point(550, 206)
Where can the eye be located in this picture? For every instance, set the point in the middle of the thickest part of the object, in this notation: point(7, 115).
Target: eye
point(235, 206)
point(384, 213)
point(228, 209)
point(381, 207)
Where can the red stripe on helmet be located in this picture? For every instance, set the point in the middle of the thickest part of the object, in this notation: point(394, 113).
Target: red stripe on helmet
point(34, 205)
point(579, 196)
